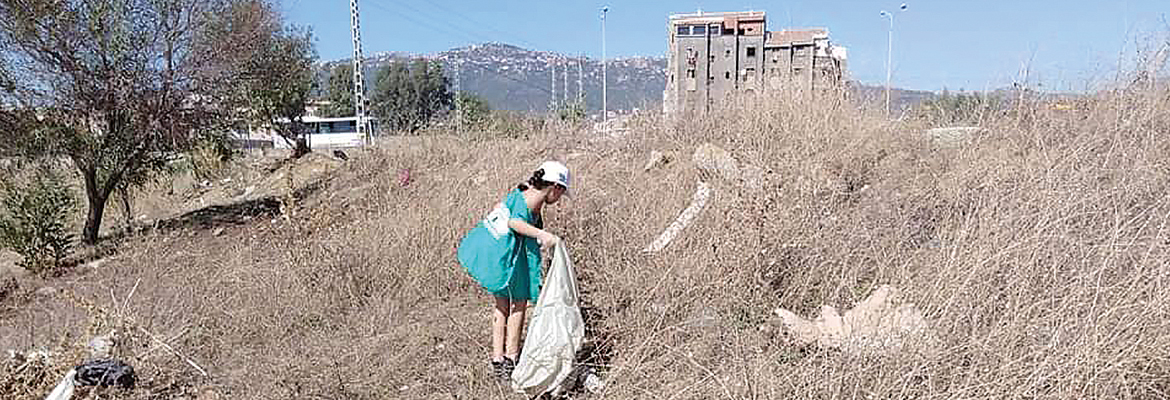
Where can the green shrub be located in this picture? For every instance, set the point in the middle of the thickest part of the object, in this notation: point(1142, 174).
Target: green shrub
point(33, 222)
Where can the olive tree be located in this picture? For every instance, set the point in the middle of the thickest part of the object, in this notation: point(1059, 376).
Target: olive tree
point(119, 86)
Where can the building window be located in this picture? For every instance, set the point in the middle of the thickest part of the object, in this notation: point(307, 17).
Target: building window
point(690, 73)
point(715, 30)
point(727, 53)
point(751, 51)
point(684, 30)
point(727, 75)
point(699, 30)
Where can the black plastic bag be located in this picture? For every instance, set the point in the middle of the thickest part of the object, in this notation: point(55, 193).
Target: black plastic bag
point(105, 373)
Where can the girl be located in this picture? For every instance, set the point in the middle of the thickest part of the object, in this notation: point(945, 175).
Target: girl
point(502, 253)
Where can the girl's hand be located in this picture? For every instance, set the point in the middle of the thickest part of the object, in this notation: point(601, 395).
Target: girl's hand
point(548, 240)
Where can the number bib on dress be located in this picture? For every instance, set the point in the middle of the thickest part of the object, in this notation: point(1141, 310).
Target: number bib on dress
point(497, 221)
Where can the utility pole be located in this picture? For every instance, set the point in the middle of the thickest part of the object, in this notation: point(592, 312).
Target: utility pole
point(359, 97)
point(458, 115)
point(565, 82)
point(604, 89)
point(890, 52)
point(552, 100)
point(580, 80)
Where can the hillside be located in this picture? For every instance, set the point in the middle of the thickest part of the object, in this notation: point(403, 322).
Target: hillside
point(1033, 250)
point(513, 78)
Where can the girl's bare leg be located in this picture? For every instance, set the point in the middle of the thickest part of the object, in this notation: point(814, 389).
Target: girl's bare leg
point(515, 328)
point(499, 320)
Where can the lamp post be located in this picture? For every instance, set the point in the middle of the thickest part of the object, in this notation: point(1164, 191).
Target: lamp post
point(604, 106)
point(890, 52)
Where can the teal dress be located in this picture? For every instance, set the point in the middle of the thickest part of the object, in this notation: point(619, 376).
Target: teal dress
point(505, 263)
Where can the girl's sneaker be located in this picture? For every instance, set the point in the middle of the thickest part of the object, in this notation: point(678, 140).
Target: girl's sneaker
point(503, 369)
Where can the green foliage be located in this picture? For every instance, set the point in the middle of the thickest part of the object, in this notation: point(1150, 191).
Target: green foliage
point(340, 93)
point(34, 220)
point(962, 108)
point(474, 111)
point(407, 97)
point(513, 124)
point(119, 86)
point(573, 112)
point(279, 82)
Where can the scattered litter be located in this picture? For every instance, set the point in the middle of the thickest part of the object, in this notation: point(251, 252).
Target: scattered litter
point(64, 390)
point(105, 373)
point(217, 231)
point(697, 203)
point(101, 346)
point(404, 177)
point(656, 159)
point(404, 388)
point(881, 321)
point(594, 383)
point(340, 154)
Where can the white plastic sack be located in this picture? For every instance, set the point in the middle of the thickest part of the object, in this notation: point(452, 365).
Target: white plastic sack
point(64, 390)
point(555, 333)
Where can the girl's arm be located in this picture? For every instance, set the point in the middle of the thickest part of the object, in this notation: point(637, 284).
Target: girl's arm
point(520, 226)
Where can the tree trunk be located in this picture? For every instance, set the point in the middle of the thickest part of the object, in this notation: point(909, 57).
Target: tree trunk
point(124, 194)
point(96, 197)
point(301, 147)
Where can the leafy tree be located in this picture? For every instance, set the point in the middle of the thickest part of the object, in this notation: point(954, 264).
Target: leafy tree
point(473, 110)
point(406, 97)
point(120, 85)
point(340, 93)
point(279, 80)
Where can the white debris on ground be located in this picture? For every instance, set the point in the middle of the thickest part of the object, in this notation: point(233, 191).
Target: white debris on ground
point(698, 201)
point(879, 322)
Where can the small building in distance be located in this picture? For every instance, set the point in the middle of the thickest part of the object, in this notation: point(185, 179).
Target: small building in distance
point(713, 55)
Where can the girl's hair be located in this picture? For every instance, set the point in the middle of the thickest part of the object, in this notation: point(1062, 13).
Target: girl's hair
point(536, 181)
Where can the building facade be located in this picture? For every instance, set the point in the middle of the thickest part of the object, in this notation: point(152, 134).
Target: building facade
point(714, 55)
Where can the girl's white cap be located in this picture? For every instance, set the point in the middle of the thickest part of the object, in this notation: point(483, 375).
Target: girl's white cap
point(555, 172)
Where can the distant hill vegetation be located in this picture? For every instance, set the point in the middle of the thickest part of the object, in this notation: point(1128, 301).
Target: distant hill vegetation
point(513, 78)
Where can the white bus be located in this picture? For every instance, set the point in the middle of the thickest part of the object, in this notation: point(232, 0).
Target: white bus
point(326, 133)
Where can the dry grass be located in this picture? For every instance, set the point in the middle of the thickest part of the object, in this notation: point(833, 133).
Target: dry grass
point(1039, 251)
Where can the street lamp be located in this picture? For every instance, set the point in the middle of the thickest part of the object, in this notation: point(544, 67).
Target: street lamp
point(604, 106)
point(890, 52)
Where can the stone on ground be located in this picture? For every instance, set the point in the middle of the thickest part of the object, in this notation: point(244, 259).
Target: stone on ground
point(881, 321)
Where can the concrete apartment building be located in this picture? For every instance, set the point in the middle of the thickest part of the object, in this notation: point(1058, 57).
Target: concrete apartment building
point(713, 55)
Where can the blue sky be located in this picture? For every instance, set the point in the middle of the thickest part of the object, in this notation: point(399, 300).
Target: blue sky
point(954, 44)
